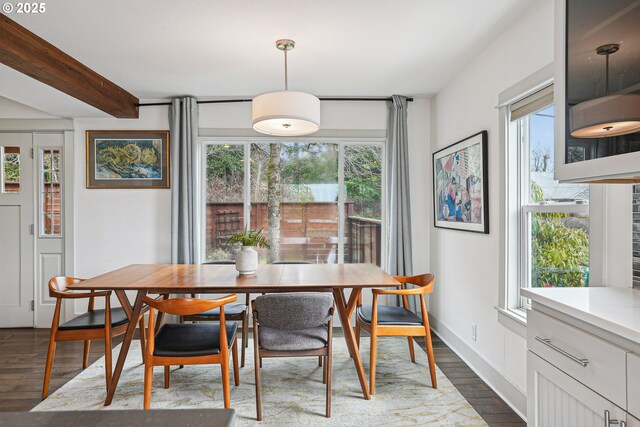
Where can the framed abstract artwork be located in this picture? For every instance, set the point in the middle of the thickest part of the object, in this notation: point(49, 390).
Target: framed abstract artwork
point(460, 185)
point(127, 159)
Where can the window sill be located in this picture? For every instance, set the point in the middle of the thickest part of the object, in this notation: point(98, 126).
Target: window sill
point(514, 320)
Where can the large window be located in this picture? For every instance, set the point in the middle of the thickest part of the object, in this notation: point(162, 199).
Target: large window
point(549, 234)
point(318, 202)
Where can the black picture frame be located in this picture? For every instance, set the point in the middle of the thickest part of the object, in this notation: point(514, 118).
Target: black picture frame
point(461, 185)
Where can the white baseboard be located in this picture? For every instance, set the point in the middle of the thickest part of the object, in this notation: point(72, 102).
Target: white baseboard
point(504, 388)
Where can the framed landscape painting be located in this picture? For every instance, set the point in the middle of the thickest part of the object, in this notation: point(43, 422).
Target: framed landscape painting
point(127, 159)
point(460, 186)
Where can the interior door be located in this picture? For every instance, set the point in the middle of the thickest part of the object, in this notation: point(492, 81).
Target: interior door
point(16, 222)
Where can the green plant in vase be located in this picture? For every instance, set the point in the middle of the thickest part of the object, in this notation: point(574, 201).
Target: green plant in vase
point(249, 238)
point(247, 257)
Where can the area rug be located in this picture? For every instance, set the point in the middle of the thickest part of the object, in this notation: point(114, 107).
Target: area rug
point(292, 390)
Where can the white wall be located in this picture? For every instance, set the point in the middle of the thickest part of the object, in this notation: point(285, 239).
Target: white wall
point(115, 228)
point(466, 265)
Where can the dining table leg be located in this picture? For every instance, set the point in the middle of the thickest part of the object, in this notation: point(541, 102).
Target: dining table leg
point(344, 311)
point(126, 342)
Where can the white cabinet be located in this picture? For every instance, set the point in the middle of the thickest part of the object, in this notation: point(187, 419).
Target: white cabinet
point(633, 384)
point(581, 27)
point(557, 400)
point(594, 362)
point(632, 421)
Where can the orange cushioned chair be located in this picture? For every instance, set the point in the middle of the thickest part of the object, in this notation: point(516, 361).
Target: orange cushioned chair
point(387, 320)
point(190, 343)
point(92, 325)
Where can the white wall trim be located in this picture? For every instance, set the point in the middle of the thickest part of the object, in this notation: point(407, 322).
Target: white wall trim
point(512, 396)
point(69, 212)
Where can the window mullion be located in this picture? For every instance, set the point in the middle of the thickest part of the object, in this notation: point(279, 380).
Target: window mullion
point(341, 210)
point(247, 185)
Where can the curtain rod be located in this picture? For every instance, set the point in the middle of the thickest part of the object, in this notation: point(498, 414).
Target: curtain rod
point(227, 101)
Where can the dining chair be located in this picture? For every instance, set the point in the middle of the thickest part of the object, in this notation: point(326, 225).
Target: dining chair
point(234, 311)
point(95, 324)
point(190, 343)
point(291, 263)
point(293, 325)
point(386, 320)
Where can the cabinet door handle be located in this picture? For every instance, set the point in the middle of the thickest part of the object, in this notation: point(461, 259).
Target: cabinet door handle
point(547, 342)
point(608, 422)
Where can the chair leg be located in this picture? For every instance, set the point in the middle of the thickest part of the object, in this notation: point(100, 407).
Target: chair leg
point(107, 357)
point(257, 361)
point(324, 371)
point(432, 363)
point(372, 363)
point(85, 354)
point(358, 333)
point(236, 371)
point(245, 336)
point(148, 380)
point(411, 352)
point(167, 376)
point(224, 366)
point(320, 360)
point(329, 363)
point(47, 369)
point(143, 340)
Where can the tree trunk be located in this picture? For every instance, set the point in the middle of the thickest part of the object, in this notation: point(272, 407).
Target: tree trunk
point(274, 198)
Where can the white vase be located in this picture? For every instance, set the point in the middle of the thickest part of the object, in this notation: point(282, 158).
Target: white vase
point(247, 260)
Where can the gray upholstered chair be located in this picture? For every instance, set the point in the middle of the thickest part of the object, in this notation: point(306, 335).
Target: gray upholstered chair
point(293, 325)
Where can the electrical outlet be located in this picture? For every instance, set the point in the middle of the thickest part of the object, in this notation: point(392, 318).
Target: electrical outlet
point(474, 332)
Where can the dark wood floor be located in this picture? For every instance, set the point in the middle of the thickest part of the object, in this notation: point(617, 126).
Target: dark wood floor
point(485, 401)
point(23, 352)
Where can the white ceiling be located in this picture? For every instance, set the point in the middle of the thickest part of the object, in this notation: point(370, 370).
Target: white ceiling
point(158, 49)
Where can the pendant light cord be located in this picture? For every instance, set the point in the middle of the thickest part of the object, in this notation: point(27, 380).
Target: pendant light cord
point(286, 74)
point(606, 75)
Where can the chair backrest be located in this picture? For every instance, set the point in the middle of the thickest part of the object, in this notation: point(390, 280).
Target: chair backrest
point(423, 281)
point(58, 285)
point(188, 306)
point(292, 311)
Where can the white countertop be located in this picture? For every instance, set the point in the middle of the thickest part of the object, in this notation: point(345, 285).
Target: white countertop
point(616, 310)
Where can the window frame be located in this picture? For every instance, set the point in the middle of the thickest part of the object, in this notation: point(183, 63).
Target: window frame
point(341, 143)
point(527, 208)
point(509, 315)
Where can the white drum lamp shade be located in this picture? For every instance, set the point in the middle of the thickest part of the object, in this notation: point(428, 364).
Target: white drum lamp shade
point(612, 115)
point(286, 113)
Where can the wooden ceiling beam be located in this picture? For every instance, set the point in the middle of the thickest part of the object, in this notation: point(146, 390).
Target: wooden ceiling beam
point(30, 54)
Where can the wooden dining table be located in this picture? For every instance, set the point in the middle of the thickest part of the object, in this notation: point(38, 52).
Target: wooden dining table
point(164, 279)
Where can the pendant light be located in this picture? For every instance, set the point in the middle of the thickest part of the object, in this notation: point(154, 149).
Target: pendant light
point(610, 115)
point(285, 112)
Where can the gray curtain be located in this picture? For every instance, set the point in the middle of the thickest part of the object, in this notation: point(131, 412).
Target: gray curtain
point(399, 260)
point(185, 221)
